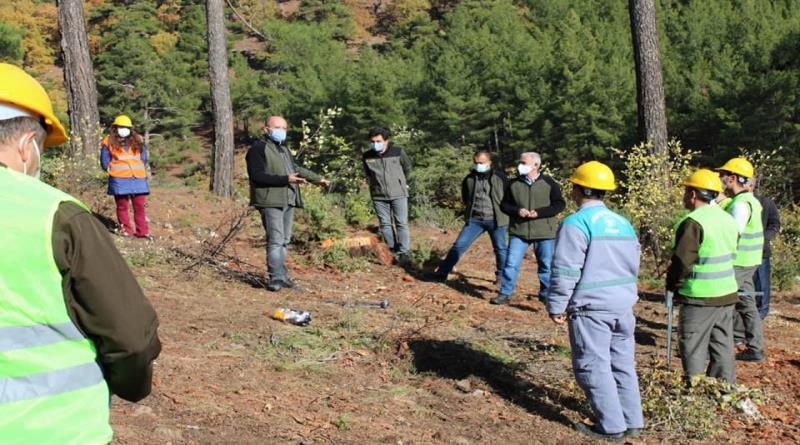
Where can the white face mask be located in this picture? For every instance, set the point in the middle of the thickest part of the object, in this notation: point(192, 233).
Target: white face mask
point(123, 132)
point(38, 173)
point(481, 168)
point(524, 169)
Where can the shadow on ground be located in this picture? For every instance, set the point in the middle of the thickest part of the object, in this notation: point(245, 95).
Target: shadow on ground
point(456, 360)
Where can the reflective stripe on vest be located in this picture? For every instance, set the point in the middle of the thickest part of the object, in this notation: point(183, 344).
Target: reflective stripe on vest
point(124, 163)
point(749, 251)
point(712, 275)
point(51, 387)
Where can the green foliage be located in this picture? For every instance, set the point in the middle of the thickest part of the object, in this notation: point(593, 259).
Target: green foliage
point(321, 217)
point(436, 184)
point(785, 261)
point(10, 44)
point(690, 413)
point(338, 257)
point(651, 197)
point(358, 210)
point(142, 73)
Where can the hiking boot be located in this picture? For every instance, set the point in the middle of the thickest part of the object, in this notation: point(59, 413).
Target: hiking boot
point(633, 432)
point(594, 433)
point(749, 355)
point(276, 285)
point(501, 299)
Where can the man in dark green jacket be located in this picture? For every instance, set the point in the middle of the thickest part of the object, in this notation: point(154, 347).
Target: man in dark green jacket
point(482, 192)
point(387, 167)
point(275, 192)
point(532, 201)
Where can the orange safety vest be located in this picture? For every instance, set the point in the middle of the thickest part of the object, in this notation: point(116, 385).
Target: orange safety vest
point(124, 163)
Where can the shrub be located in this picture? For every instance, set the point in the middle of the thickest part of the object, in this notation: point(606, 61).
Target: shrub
point(652, 200)
point(785, 262)
point(358, 210)
point(321, 217)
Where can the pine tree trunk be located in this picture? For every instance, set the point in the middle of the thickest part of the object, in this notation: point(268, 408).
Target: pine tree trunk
point(649, 83)
point(79, 79)
point(222, 168)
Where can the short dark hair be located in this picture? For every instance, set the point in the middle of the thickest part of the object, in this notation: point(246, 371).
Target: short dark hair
point(11, 129)
point(379, 131)
point(705, 195)
point(481, 153)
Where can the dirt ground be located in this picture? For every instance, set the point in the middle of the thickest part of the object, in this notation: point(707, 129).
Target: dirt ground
point(439, 365)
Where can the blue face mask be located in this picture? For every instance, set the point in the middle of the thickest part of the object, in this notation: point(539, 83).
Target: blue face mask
point(378, 146)
point(277, 134)
point(481, 168)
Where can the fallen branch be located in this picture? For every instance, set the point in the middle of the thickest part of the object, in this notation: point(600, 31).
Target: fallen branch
point(246, 23)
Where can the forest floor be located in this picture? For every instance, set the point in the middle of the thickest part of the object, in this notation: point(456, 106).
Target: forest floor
point(439, 365)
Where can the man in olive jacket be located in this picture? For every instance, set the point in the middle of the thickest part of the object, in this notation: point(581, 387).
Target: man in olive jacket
point(387, 167)
point(275, 192)
point(532, 201)
point(482, 192)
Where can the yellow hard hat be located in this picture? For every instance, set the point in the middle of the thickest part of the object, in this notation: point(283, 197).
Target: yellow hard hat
point(739, 166)
point(704, 179)
point(594, 175)
point(123, 121)
point(19, 89)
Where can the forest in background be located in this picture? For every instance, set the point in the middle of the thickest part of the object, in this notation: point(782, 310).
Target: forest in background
point(552, 76)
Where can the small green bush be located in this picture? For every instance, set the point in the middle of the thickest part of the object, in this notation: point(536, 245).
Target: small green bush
point(358, 209)
point(320, 218)
point(785, 262)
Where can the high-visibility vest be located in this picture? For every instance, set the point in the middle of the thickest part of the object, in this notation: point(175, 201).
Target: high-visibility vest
point(712, 274)
point(125, 162)
point(52, 389)
point(751, 241)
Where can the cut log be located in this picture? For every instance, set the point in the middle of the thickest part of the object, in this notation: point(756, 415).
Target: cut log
point(364, 245)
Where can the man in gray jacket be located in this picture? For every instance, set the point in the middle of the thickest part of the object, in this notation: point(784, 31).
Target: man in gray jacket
point(387, 166)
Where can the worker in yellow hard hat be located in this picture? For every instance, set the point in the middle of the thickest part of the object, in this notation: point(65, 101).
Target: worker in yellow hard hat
point(123, 155)
point(702, 278)
point(746, 210)
point(593, 289)
point(74, 324)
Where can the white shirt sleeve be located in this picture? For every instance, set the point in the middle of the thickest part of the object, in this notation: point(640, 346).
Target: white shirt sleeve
point(741, 213)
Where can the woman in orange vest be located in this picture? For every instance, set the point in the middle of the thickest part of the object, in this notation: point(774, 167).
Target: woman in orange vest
point(124, 156)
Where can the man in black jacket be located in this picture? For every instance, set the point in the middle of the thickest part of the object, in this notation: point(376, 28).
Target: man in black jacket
point(275, 181)
point(481, 192)
point(387, 168)
point(532, 201)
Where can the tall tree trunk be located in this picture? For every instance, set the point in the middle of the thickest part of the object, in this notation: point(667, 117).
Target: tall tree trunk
point(84, 119)
point(649, 83)
point(222, 168)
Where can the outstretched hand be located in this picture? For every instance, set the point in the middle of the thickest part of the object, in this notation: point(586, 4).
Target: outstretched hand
point(294, 178)
point(324, 182)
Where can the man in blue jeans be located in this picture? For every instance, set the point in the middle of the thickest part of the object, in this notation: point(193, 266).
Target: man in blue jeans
point(481, 192)
point(387, 167)
point(532, 200)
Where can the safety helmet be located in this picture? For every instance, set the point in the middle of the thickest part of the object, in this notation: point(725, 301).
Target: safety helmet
point(739, 166)
point(704, 179)
point(123, 121)
point(19, 89)
point(594, 175)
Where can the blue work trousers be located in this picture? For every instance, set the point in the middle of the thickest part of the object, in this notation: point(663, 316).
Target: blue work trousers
point(762, 282)
point(471, 231)
point(543, 248)
point(603, 362)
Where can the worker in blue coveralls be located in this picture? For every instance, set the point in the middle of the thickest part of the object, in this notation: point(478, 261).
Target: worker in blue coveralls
point(593, 288)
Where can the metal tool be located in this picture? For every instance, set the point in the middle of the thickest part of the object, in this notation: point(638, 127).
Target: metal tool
point(668, 301)
point(379, 305)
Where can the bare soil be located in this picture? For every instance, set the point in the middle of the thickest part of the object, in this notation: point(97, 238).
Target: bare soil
point(440, 365)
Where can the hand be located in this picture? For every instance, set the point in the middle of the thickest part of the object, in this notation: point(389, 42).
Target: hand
point(294, 178)
point(523, 213)
point(558, 318)
point(324, 182)
point(532, 214)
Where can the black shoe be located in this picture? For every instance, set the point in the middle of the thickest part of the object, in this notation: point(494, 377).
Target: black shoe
point(749, 355)
point(633, 432)
point(592, 432)
point(501, 299)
